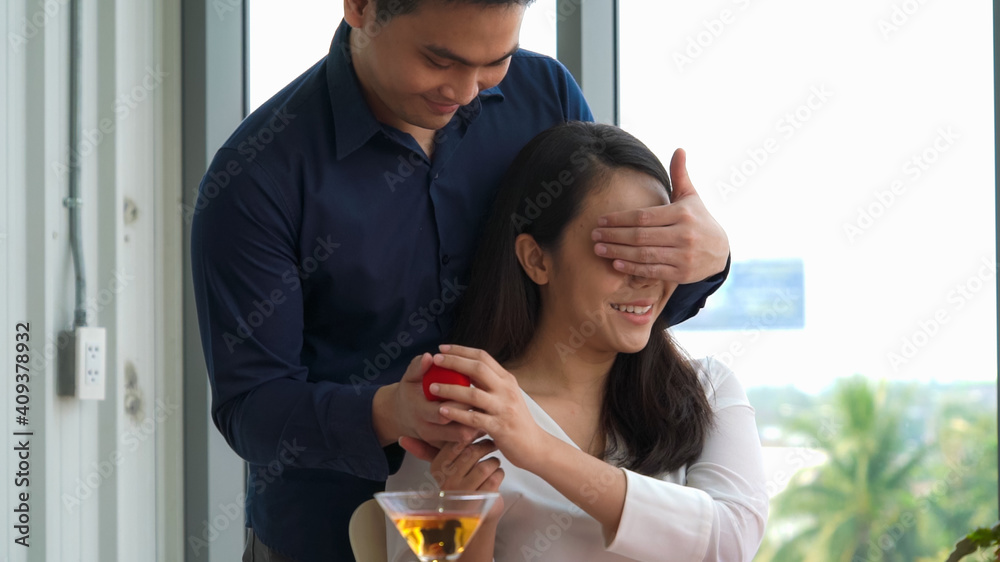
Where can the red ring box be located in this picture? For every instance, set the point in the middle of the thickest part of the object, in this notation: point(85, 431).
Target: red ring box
point(441, 375)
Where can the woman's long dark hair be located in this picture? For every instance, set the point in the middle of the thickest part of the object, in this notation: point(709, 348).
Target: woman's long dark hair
point(654, 412)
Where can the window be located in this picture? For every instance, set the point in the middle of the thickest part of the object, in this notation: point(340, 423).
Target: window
point(855, 142)
point(284, 39)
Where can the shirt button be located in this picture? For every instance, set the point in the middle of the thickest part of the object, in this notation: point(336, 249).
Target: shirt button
point(445, 259)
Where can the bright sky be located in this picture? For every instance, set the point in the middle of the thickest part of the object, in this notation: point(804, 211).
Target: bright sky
point(845, 109)
point(917, 86)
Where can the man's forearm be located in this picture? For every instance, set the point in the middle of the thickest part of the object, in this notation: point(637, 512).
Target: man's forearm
point(305, 425)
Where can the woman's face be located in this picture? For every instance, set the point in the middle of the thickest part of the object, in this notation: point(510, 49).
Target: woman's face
point(586, 299)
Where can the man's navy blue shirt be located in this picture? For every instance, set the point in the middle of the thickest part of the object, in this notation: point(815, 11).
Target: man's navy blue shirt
point(327, 252)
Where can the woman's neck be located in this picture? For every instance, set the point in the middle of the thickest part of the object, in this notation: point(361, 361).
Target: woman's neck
point(554, 366)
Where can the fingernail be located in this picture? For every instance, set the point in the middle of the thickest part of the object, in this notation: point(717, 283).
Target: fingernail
point(435, 388)
point(444, 347)
point(601, 249)
point(602, 221)
point(595, 235)
point(443, 410)
point(619, 265)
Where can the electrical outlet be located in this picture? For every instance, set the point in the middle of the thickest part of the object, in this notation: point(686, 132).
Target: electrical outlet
point(82, 364)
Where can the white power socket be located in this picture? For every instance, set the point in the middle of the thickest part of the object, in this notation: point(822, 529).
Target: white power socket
point(82, 364)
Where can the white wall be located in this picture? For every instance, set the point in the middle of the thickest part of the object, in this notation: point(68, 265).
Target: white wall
point(104, 476)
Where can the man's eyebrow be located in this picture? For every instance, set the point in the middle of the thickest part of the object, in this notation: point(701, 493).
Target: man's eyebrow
point(447, 54)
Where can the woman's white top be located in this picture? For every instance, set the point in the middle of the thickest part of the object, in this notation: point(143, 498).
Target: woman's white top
point(713, 509)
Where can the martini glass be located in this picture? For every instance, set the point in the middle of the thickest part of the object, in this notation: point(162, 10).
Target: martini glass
point(437, 525)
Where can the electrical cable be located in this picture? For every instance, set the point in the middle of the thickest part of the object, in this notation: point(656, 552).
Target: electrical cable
point(74, 202)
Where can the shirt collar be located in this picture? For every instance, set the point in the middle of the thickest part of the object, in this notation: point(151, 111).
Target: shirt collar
point(494, 92)
point(353, 121)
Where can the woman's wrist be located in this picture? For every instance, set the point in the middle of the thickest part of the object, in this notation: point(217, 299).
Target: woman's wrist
point(546, 445)
point(480, 549)
point(490, 521)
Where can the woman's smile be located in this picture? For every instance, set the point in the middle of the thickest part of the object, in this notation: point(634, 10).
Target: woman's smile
point(639, 315)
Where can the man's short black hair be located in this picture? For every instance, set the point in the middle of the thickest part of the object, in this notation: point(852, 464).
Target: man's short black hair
point(388, 9)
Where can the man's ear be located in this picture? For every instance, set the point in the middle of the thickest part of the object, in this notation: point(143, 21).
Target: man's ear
point(354, 11)
point(534, 260)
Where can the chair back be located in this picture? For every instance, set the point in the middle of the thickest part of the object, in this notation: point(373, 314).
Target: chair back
point(367, 532)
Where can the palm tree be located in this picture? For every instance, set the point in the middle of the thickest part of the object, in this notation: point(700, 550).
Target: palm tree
point(963, 477)
point(858, 505)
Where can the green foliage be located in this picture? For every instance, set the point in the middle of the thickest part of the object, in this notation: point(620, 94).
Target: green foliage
point(981, 538)
point(907, 468)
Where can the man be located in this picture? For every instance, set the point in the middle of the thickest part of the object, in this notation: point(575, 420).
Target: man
point(337, 245)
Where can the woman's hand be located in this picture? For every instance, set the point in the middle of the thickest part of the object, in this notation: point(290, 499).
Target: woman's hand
point(400, 409)
point(500, 411)
point(459, 467)
point(498, 405)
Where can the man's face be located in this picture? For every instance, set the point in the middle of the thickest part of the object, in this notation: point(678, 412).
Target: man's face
point(419, 68)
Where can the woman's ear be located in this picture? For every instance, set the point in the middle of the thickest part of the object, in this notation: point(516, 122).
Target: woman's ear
point(354, 12)
point(534, 260)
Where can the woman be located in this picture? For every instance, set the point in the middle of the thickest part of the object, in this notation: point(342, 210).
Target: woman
point(605, 442)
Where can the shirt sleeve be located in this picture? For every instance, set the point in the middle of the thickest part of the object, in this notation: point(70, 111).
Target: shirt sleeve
point(721, 512)
point(250, 310)
point(575, 106)
point(688, 299)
